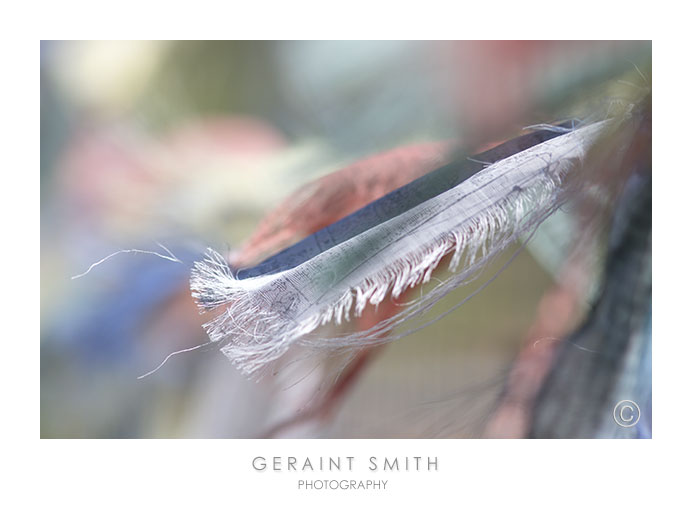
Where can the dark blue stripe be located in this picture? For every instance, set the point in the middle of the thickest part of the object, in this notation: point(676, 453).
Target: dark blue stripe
point(393, 204)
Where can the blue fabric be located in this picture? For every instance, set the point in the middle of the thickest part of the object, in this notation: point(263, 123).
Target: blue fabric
point(394, 204)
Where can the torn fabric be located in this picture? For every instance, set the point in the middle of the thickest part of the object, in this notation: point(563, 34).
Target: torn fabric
point(262, 316)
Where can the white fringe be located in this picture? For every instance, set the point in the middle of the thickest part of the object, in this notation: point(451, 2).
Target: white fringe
point(262, 317)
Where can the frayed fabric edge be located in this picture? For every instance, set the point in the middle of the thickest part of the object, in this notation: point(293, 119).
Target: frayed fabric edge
point(256, 326)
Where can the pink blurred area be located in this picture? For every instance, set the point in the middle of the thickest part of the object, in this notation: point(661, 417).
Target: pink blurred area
point(119, 177)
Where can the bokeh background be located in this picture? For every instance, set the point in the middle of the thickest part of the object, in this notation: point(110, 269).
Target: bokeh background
point(189, 144)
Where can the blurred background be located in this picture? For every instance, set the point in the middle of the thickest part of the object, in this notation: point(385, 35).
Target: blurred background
point(191, 144)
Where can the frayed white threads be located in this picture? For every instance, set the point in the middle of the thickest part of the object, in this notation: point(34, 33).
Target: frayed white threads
point(551, 128)
point(172, 354)
point(169, 256)
point(262, 317)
